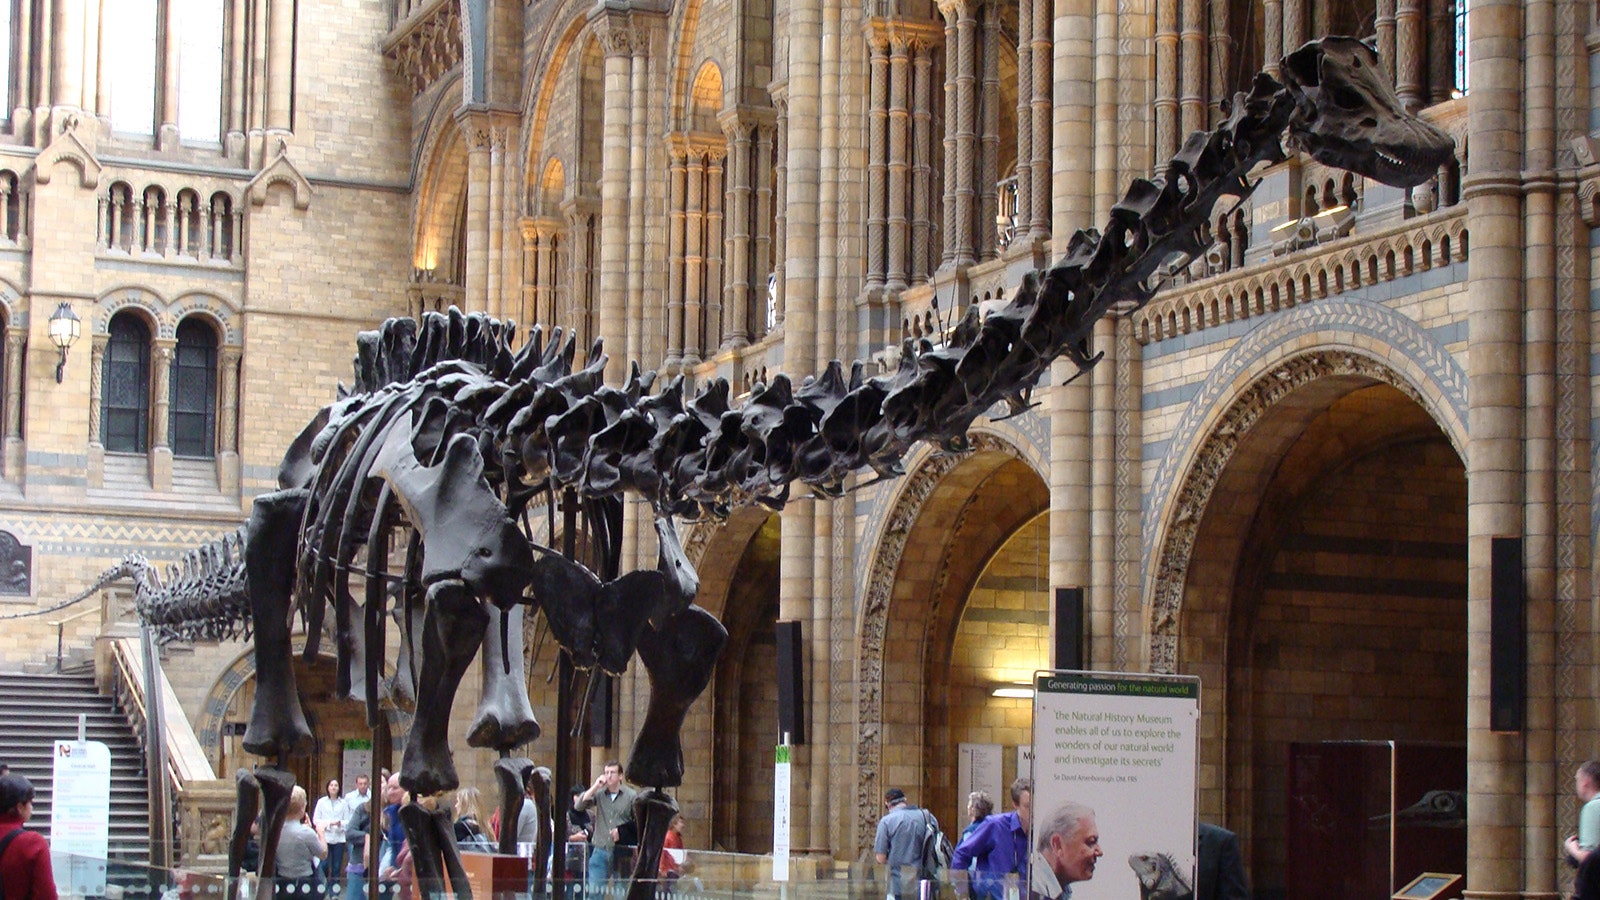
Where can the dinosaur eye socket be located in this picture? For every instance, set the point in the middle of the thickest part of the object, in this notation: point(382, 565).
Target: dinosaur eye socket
point(1346, 97)
point(485, 552)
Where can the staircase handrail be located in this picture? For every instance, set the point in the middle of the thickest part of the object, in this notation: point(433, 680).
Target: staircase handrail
point(190, 794)
point(186, 756)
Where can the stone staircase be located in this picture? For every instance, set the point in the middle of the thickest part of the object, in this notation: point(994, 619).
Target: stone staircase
point(38, 710)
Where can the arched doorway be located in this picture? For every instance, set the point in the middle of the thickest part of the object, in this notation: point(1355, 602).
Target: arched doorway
point(1324, 597)
point(958, 524)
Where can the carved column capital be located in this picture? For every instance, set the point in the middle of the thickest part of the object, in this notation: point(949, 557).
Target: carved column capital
point(621, 32)
point(908, 34)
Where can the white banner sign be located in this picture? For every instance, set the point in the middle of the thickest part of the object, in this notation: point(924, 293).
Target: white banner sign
point(1114, 771)
point(357, 761)
point(1024, 760)
point(780, 816)
point(979, 770)
point(80, 817)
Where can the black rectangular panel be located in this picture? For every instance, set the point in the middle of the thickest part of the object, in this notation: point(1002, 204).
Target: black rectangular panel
point(1507, 635)
point(1070, 652)
point(791, 684)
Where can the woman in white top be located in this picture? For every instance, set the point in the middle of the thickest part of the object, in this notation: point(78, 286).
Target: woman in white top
point(329, 817)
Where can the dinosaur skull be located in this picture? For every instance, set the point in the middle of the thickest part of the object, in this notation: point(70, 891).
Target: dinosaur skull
point(1346, 115)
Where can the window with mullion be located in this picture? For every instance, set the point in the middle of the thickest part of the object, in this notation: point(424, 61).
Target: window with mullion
point(193, 392)
point(125, 389)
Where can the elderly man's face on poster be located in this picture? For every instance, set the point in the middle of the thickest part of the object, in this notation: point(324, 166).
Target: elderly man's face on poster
point(1072, 855)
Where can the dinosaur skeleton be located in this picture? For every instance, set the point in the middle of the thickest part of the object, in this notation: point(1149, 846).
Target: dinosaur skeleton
point(450, 436)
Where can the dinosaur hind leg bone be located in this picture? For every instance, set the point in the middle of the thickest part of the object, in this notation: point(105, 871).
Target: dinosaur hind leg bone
point(451, 633)
point(278, 725)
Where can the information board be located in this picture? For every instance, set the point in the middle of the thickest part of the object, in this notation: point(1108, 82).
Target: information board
point(356, 761)
point(978, 769)
point(80, 817)
point(1115, 757)
point(780, 815)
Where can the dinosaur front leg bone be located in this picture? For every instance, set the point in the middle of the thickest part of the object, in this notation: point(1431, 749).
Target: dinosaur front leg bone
point(452, 630)
point(505, 715)
point(680, 659)
point(423, 839)
point(277, 724)
point(654, 811)
point(275, 787)
point(539, 781)
point(244, 815)
point(509, 774)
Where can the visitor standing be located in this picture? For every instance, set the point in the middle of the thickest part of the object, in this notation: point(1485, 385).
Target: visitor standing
point(899, 843)
point(997, 847)
point(612, 802)
point(299, 848)
point(329, 818)
point(25, 872)
point(1586, 781)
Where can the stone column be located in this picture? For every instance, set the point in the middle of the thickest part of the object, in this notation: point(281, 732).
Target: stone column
point(801, 262)
point(169, 213)
point(28, 49)
point(1166, 105)
point(1072, 189)
point(280, 66)
point(716, 186)
point(228, 426)
point(922, 263)
point(1025, 117)
point(1441, 46)
point(780, 195)
point(97, 374)
point(1221, 74)
point(899, 163)
point(161, 352)
point(640, 170)
point(1044, 100)
point(494, 199)
point(1103, 493)
point(877, 159)
point(947, 235)
point(989, 141)
point(965, 117)
point(694, 262)
point(1107, 137)
point(1192, 82)
point(739, 134)
point(1410, 53)
point(67, 57)
point(167, 112)
point(1384, 24)
point(16, 348)
point(616, 37)
point(1496, 489)
point(238, 56)
point(1272, 30)
point(1294, 24)
point(766, 136)
point(475, 286)
point(677, 193)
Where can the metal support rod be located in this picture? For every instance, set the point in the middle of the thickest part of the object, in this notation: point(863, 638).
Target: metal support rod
point(565, 742)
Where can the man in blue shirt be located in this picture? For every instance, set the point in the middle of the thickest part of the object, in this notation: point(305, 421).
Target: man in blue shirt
point(999, 846)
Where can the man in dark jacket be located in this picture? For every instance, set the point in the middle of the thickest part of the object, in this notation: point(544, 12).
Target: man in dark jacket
point(25, 871)
point(1219, 873)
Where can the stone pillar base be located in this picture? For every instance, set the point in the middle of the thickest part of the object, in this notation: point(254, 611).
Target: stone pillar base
point(161, 469)
point(96, 476)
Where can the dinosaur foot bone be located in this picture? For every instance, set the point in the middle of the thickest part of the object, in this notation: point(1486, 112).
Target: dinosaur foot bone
point(680, 659)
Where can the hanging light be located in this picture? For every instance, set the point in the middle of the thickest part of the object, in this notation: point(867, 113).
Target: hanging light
point(65, 326)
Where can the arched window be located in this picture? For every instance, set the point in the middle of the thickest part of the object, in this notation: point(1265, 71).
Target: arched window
point(125, 390)
point(194, 391)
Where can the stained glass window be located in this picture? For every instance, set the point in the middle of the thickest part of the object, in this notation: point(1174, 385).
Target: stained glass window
point(194, 390)
point(125, 387)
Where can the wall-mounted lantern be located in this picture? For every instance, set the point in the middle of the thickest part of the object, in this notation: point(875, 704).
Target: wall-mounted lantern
point(65, 326)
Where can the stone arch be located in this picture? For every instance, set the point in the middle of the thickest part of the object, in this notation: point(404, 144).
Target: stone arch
point(1221, 438)
point(928, 500)
point(705, 99)
point(218, 311)
point(552, 187)
point(214, 708)
point(439, 204)
point(145, 301)
point(544, 78)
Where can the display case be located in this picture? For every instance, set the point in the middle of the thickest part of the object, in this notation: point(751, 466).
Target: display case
point(1367, 818)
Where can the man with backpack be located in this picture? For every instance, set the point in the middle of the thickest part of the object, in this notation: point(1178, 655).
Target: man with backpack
point(25, 872)
point(907, 841)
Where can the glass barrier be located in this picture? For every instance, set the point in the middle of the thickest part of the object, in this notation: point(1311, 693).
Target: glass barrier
point(694, 875)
